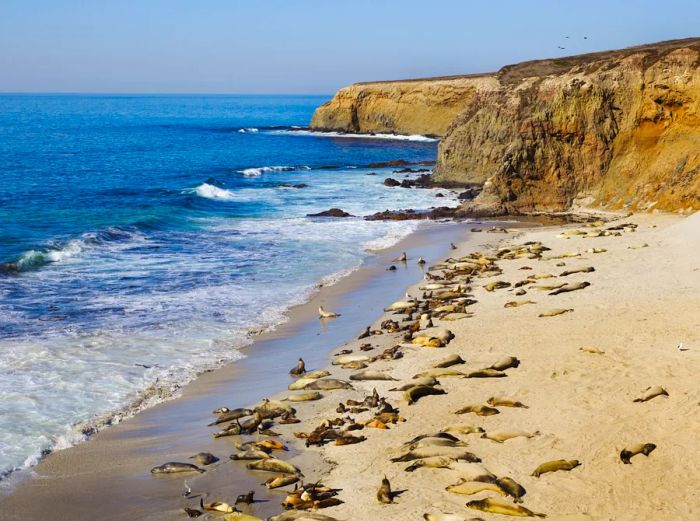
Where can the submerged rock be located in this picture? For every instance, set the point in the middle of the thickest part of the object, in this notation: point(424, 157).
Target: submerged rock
point(333, 212)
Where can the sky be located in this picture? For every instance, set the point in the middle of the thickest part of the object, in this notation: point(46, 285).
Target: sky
point(304, 46)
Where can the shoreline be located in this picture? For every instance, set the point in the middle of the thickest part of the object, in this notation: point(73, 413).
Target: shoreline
point(116, 438)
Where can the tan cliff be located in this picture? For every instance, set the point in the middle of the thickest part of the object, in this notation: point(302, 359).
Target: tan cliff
point(617, 129)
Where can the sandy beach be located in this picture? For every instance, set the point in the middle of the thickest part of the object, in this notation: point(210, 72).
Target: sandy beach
point(632, 327)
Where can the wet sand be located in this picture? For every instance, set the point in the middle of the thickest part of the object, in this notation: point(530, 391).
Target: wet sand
point(108, 477)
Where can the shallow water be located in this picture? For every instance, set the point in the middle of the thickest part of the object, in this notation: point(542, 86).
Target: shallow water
point(141, 236)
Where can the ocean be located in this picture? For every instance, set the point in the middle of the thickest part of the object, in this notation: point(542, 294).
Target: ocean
point(142, 238)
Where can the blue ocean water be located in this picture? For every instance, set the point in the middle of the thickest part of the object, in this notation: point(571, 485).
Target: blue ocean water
point(141, 235)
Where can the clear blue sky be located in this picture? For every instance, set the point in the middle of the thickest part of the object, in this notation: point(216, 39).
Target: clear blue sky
point(304, 46)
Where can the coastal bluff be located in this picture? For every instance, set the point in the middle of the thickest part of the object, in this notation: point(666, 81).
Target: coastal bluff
point(615, 129)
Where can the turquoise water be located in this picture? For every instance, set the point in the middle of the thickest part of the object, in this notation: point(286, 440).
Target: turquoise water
point(141, 235)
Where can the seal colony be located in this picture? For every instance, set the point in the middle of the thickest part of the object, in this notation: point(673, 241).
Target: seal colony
point(518, 447)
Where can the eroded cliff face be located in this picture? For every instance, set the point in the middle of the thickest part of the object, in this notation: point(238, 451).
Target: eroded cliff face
point(403, 107)
point(618, 129)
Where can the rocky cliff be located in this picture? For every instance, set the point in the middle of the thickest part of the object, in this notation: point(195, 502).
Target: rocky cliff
point(618, 129)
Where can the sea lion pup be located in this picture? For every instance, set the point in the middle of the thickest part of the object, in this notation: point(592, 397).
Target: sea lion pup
point(174, 467)
point(449, 361)
point(469, 488)
point(430, 381)
point(464, 429)
point(231, 415)
point(518, 303)
point(554, 312)
point(479, 410)
point(250, 454)
point(192, 512)
point(299, 369)
point(274, 465)
point(641, 448)
point(507, 362)
point(367, 333)
point(281, 481)
point(384, 492)
point(371, 375)
point(304, 397)
point(216, 506)
point(414, 394)
point(435, 462)
point(204, 458)
point(401, 258)
point(322, 313)
point(328, 384)
point(496, 506)
point(501, 436)
point(553, 466)
point(512, 488)
point(438, 373)
point(455, 453)
point(587, 269)
point(486, 373)
point(501, 401)
point(652, 392)
point(570, 287)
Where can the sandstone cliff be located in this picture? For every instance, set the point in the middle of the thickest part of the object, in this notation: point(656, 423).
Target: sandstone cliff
point(618, 129)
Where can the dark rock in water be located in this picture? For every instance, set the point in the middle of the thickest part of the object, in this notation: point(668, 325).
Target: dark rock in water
point(470, 193)
point(391, 182)
point(391, 268)
point(371, 173)
point(411, 170)
point(298, 185)
point(442, 212)
point(384, 164)
point(439, 195)
point(406, 183)
point(333, 212)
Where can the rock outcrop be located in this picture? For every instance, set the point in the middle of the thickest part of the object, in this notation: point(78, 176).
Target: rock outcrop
point(617, 129)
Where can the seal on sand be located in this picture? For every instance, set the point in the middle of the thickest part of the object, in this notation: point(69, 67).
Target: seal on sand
point(322, 313)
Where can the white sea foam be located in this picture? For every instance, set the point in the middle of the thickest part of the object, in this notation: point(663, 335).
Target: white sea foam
point(255, 172)
point(248, 130)
point(214, 192)
point(318, 133)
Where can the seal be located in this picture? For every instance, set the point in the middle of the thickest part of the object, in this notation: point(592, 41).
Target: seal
point(507, 362)
point(231, 415)
point(501, 436)
point(299, 369)
point(486, 373)
point(436, 462)
point(371, 376)
point(511, 488)
point(479, 410)
point(216, 506)
point(591, 350)
point(174, 467)
point(250, 454)
point(204, 458)
point(401, 258)
point(327, 384)
point(554, 312)
point(449, 361)
point(469, 488)
point(642, 448)
point(274, 465)
point(553, 466)
point(354, 365)
point(588, 269)
point(281, 481)
point(496, 506)
point(518, 303)
point(464, 429)
point(322, 313)
point(450, 517)
point(456, 453)
point(384, 493)
point(496, 284)
point(651, 393)
point(570, 287)
point(304, 397)
point(417, 392)
point(500, 401)
point(419, 381)
point(438, 373)
point(240, 516)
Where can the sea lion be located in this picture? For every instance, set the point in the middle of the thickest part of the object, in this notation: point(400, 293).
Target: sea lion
point(451, 317)
point(354, 365)
point(553, 466)
point(591, 350)
point(346, 359)
point(434, 441)
point(637, 246)
point(301, 515)
point(174, 467)
point(322, 313)
point(248, 498)
point(449, 361)
point(464, 429)
point(570, 287)
point(455, 453)
point(250, 454)
point(304, 397)
point(401, 258)
point(587, 269)
point(328, 384)
point(192, 512)
point(486, 373)
point(469, 488)
point(652, 392)
point(315, 375)
point(495, 506)
point(384, 492)
point(232, 430)
point(501, 401)
point(204, 458)
point(596, 250)
point(418, 381)
point(371, 376)
point(273, 408)
point(349, 439)
point(421, 261)
point(281, 481)
point(401, 305)
point(554, 312)
point(518, 303)
point(270, 445)
point(216, 506)
point(441, 434)
point(512, 488)
point(231, 415)
point(501, 436)
point(299, 369)
point(428, 341)
point(473, 472)
point(520, 293)
point(436, 462)
point(414, 394)
point(299, 384)
point(438, 373)
point(274, 465)
point(452, 245)
point(642, 448)
point(450, 517)
point(496, 284)
point(479, 410)
point(445, 335)
point(240, 516)
point(507, 362)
